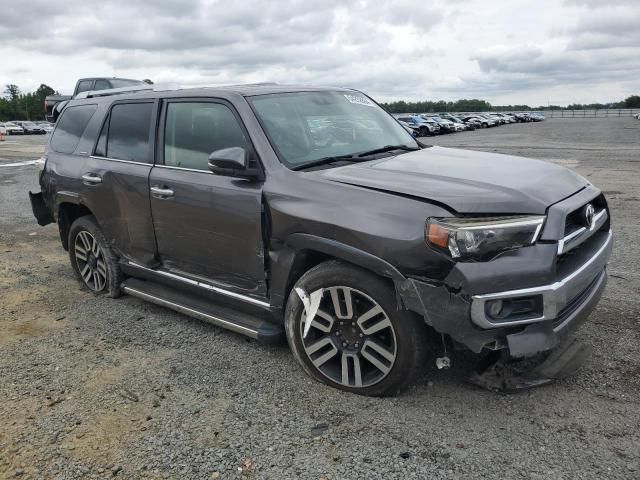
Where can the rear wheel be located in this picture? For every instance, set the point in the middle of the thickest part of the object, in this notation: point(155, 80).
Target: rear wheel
point(358, 340)
point(92, 258)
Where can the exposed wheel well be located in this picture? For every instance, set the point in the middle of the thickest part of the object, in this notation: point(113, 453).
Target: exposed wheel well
point(307, 259)
point(67, 214)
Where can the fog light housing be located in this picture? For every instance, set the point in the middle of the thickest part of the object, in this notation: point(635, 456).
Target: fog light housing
point(513, 309)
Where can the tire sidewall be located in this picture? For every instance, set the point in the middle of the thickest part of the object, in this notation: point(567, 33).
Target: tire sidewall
point(114, 273)
point(408, 341)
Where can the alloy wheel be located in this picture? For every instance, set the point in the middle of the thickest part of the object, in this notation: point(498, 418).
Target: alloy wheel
point(351, 340)
point(90, 261)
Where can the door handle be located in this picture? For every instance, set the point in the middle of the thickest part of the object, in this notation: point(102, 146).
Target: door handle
point(161, 193)
point(92, 179)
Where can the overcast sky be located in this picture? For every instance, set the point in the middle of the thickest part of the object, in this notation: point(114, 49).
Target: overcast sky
point(504, 51)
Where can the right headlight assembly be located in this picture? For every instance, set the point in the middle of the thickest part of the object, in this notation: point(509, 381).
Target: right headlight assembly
point(482, 238)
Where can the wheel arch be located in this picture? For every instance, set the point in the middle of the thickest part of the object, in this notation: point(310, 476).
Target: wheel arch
point(67, 213)
point(305, 251)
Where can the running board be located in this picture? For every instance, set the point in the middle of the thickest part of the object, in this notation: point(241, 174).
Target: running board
point(203, 309)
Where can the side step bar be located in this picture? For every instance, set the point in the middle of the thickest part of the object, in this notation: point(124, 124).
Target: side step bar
point(203, 309)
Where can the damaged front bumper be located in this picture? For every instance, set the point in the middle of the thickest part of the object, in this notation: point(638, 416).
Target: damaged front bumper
point(562, 306)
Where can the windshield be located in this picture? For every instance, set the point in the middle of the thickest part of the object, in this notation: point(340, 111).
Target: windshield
point(308, 126)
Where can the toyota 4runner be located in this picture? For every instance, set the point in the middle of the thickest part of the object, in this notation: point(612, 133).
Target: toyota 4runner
point(312, 213)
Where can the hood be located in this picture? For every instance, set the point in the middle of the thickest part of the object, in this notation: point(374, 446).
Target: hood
point(466, 181)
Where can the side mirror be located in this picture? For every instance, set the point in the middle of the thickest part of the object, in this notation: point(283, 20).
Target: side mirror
point(233, 162)
point(233, 158)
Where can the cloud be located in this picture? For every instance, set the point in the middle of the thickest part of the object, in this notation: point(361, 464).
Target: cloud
point(392, 49)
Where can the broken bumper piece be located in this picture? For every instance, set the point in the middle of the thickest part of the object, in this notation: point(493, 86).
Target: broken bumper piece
point(557, 310)
point(503, 375)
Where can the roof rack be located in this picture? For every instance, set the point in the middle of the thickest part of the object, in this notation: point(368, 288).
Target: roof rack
point(116, 91)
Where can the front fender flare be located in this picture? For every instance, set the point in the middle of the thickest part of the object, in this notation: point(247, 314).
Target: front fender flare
point(283, 259)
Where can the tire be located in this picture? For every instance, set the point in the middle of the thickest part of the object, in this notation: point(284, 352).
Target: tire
point(93, 261)
point(387, 348)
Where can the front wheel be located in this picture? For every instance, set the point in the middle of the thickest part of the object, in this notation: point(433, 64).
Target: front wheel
point(359, 340)
point(92, 259)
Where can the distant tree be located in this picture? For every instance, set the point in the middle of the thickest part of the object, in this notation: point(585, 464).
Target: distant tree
point(12, 91)
point(632, 102)
point(44, 90)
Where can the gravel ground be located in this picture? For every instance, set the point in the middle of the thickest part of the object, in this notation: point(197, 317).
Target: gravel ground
point(100, 388)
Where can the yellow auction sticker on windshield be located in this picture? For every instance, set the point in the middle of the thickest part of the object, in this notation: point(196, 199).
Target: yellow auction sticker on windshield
point(359, 100)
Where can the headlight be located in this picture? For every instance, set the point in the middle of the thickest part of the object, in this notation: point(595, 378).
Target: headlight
point(482, 238)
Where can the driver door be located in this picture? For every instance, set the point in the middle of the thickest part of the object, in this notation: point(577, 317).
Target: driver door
point(207, 226)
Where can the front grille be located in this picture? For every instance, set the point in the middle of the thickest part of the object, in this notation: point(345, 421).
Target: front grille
point(575, 302)
point(569, 261)
point(574, 220)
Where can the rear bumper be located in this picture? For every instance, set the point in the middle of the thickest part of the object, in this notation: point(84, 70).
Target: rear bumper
point(43, 214)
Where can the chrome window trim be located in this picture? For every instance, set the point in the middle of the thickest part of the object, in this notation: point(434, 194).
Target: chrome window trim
point(583, 233)
point(171, 167)
point(203, 285)
point(96, 157)
point(552, 295)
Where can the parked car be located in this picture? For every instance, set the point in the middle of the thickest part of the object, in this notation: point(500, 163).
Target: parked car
point(435, 126)
point(220, 203)
point(417, 123)
point(30, 128)
point(506, 118)
point(474, 122)
point(3, 130)
point(414, 130)
point(536, 117)
point(491, 121)
point(446, 126)
point(477, 119)
point(522, 117)
point(46, 126)
point(53, 104)
point(13, 129)
point(458, 121)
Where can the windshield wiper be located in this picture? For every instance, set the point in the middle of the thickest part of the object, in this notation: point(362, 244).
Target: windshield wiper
point(353, 157)
point(325, 161)
point(387, 148)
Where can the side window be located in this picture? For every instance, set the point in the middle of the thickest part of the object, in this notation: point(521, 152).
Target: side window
point(84, 86)
point(70, 127)
point(129, 127)
point(194, 130)
point(101, 146)
point(102, 85)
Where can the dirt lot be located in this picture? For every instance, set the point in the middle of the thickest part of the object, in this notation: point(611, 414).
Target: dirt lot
point(96, 388)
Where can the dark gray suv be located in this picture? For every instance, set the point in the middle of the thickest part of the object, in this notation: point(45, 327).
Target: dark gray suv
point(312, 213)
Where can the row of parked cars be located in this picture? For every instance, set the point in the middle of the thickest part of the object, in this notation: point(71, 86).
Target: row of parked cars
point(424, 125)
point(21, 127)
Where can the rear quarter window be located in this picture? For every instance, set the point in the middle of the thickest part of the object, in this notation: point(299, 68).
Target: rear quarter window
point(70, 128)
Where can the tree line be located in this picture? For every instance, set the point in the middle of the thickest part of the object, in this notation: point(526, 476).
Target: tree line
point(475, 105)
point(15, 105)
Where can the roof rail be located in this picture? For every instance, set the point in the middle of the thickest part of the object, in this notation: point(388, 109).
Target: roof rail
point(115, 91)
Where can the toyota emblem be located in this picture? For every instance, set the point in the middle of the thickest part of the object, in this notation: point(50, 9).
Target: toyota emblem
point(589, 213)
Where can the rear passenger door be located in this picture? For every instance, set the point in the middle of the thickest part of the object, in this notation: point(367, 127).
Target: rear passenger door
point(206, 225)
point(116, 179)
